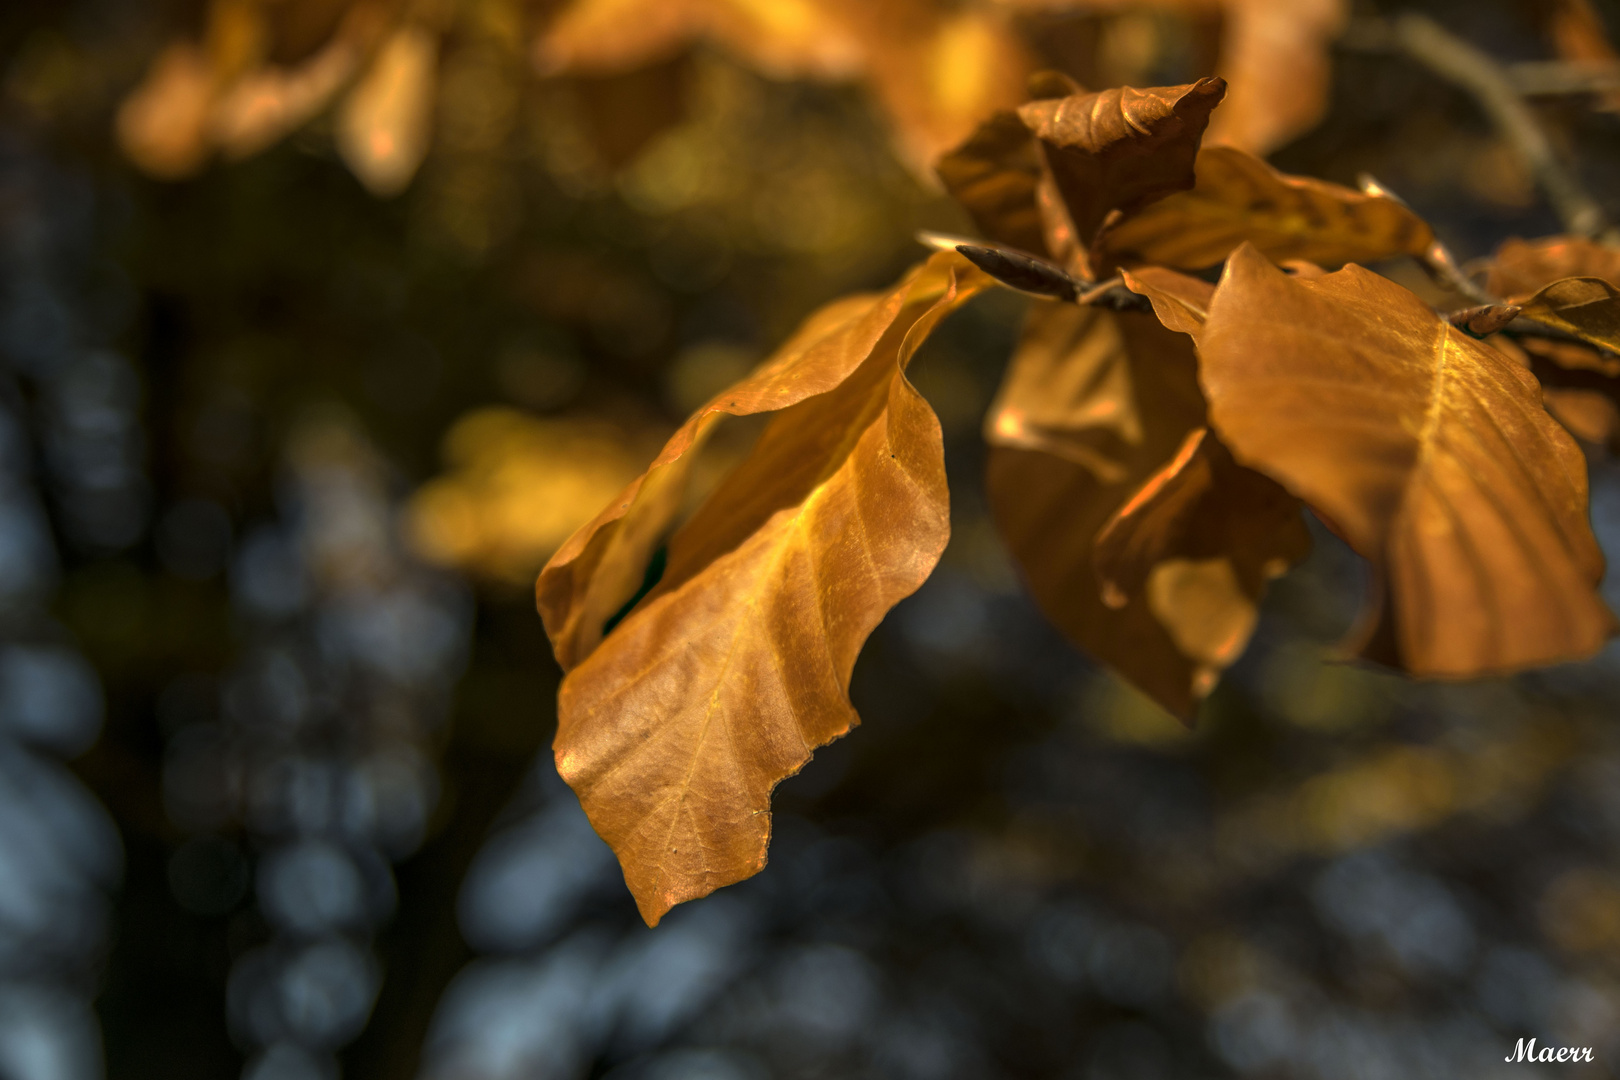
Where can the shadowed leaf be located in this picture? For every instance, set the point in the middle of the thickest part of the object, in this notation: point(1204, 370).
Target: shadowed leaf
point(1240, 198)
point(1428, 451)
point(724, 678)
point(1201, 507)
point(994, 175)
point(1093, 407)
point(1580, 386)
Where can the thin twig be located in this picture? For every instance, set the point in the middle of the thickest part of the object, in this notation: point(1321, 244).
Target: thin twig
point(1437, 261)
point(1553, 78)
point(1455, 60)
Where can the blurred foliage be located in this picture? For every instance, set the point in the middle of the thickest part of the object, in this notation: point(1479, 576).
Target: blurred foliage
point(251, 396)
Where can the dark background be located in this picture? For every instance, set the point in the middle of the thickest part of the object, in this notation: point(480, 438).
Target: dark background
point(274, 788)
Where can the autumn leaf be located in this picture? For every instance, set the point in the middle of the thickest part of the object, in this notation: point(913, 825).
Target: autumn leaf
point(1579, 36)
point(1428, 451)
point(781, 38)
point(1580, 386)
point(271, 101)
point(1087, 430)
point(994, 175)
point(1274, 54)
point(1000, 178)
point(1121, 149)
point(1520, 267)
point(1180, 302)
point(1519, 270)
point(1236, 528)
point(384, 126)
point(1585, 307)
point(517, 486)
point(935, 72)
point(1240, 198)
point(163, 124)
point(939, 84)
point(674, 729)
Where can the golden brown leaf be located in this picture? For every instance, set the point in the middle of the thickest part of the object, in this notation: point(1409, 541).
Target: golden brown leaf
point(516, 488)
point(268, 103)
point(782, 38)
point(1589, 415)
point(1203, 507)
point(163, 124)
point(1070, 391)
point(1580, 385)
point(1180, 302)
point(939, 84)
point(1274, 54)
point(602, 564)
point(1520, 267)
point(1578, 35)
point(385, 123)
point(724, 678)
point(1093, 407)
point(1121, 149)
point(1240, 198)
point(1428, 451)
point(1587, 307)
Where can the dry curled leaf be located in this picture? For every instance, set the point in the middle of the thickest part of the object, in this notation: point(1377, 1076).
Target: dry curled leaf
point(1428, 451)
point(1585, 307)
point(1274, 53)
point(721, 681)
point(1121, 149)
point(1093, 407)
point(1240, 198)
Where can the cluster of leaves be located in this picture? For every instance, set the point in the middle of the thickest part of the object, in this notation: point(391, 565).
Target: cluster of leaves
point(1153, 443)
point(261, 69)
